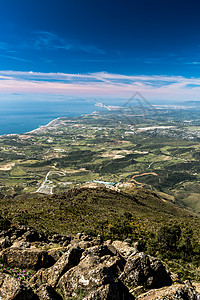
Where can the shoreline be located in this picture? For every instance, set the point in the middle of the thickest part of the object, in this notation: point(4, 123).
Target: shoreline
point(31, 131)
point(42, 127)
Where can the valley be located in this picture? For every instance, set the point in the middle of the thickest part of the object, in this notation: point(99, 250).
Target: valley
point(117, 149)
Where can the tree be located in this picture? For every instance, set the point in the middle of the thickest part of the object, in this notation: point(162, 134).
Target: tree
point(168, 237)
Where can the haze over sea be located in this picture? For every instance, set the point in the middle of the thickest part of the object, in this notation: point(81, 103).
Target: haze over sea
point(21, 117)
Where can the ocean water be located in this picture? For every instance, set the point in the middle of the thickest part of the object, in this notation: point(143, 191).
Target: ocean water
point(21, 117)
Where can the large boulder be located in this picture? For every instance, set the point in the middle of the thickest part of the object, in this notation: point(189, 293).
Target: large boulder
point(83, 241)
point(81, 237)
point(13, 289)
point(124, 249)
point(90, 274)
point(32, 236)
point(5, 242)
point(60, 239)
point(51, 275)
point(113, 291)
point(100, 251)
point(25, 258)
point(46, 292)
point(20, 243)
point(54, 255)
point(178, 291)
point(197, 286)
point(144, 270)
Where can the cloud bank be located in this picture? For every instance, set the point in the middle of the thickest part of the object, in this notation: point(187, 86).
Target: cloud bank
point(100, 84)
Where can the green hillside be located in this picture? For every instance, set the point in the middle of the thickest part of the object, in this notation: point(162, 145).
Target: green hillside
point(160, 227)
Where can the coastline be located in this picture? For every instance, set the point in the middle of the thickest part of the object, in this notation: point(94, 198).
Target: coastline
point(43, 127)
point(40, 128)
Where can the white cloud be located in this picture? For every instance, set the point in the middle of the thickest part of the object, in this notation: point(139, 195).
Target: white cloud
point(101, 84)
point(48, 40)
point(15, 58)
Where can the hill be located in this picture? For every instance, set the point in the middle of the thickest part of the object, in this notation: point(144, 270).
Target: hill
point(159, 226)
point(85, 209)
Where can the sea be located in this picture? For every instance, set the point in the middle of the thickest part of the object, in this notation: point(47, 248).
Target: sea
point(21, 117)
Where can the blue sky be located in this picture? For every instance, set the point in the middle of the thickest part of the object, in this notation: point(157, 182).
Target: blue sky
point(119, 41)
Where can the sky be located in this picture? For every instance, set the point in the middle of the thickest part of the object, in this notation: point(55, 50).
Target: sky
point(104, 49)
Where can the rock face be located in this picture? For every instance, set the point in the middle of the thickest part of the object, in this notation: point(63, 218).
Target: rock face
point(46, 292)
point(80, 267)
point(91, 273)
point(5, 243)
point(25, 258)
point(51, 275)
point(124, 248)
point(113, 291)
point(11, 288)
point(143, 269)
point(179, 291)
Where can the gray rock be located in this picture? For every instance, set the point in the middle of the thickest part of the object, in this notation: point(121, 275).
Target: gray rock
point(143, 269)
point(13, 289)
point(175, 292)
point(20, 243)
point(90, 274)
point(25, 258)
point(80, 237)
point(54, 255)
point(110, 292)
point(59, 238)
point(51, 275)
point(5, 242)
point(124, 249)
point(46, 292)
point(100, 251)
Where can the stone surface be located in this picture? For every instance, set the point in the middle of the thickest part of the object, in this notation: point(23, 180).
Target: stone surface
point(174, 292)
point(100, 251)
point(59, 238)
point(51, 275)
point(54, 255)
point(25, 258)
point(114, 291)
point(46, 292)
point(91, 273)
point(123, 248)
point(84, 268)
point(13, 289)
point(20, 243)
point(143, 269)
point(197, 286)
point(5, 242)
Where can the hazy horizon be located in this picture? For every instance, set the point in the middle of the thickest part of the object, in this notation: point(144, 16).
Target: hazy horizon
point(103, 50)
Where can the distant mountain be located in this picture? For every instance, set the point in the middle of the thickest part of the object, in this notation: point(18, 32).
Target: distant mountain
point(190, 103)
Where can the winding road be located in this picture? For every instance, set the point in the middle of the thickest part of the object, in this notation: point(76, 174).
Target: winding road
point(47, 185)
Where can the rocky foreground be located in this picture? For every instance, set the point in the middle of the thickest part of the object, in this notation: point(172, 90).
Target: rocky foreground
point(80, 267)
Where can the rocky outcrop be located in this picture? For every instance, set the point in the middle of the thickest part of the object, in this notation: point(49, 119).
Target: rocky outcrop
point(179, 291)
point(91, 273)
point(5, 242)
point(46, 292)
point(145, 270)
point(25, 258)
point(123, 248)
point(113, 291)
point(11, 288)
point(80, 267)
point(51, 275)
